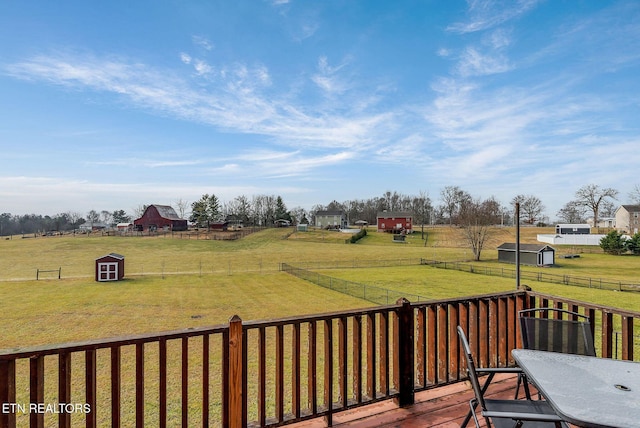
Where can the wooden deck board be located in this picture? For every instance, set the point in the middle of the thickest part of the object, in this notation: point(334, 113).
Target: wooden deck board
point(443, 407)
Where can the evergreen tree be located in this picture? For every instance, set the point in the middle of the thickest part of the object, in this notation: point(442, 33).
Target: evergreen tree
point(613, 243)
point(205, 210)
point(281, 210)
point(633, 244)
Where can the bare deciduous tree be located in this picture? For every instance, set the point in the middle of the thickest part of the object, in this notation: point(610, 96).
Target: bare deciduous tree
point(421, 207)
point(530, 206)
point(453, 197)
point(476, 218)
point(182, 206)
point(139, 210)
point(571, 212)
point(634, 195)
point(592, 197)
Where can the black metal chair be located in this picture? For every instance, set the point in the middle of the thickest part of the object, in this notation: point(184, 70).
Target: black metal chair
point(570, 335)
point(506, 413)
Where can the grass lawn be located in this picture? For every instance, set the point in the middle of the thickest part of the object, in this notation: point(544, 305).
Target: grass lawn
point(55, 311)
point(434, 283)
point(180, 283)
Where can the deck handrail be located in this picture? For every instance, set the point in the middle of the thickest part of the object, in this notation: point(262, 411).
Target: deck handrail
point(272, 372)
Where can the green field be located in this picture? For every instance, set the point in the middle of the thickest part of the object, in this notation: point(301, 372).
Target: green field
point(179, 283)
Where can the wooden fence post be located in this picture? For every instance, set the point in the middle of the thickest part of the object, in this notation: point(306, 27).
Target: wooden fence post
point(235, 372)
point(406, 367)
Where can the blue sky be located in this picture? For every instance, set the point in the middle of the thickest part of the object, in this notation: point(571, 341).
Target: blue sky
point(111, 105)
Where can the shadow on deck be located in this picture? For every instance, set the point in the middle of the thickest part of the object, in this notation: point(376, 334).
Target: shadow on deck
point(442, 407)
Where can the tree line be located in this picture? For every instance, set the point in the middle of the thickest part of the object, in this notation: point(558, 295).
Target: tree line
point(264, 210)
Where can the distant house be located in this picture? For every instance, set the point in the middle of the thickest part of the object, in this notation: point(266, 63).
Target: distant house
point(160, 217)
point(89, 226)
point(394, 222)
point(124, 227)
point(334, 219)
point(628, 219)
point(603, 222)
point(530, 254)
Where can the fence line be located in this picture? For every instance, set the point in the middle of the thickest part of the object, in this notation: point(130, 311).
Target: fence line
point(536, 276)
point(355, 263)
point(377, 295)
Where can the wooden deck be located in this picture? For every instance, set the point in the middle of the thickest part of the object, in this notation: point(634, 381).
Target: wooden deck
point(443, 407)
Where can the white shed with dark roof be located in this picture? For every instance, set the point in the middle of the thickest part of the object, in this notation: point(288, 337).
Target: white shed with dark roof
point(530, 254)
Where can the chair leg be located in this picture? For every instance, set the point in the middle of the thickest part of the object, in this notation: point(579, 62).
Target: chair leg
point(475, 403)
point(472, 414)
point(522, 379)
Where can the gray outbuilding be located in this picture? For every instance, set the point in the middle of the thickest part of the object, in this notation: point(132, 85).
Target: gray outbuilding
point(573, 229)
point(530, 254)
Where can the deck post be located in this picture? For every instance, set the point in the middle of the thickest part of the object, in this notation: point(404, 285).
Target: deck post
point(7, 391)
point(235, 372)
point(405, 364)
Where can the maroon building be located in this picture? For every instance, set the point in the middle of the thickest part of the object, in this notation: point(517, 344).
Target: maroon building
point(395, 222)
point(160, 217)
point(110, 267)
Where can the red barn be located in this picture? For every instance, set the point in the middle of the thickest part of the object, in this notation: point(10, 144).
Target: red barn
point(160, 217)
point(395, 222)
point(110, 267)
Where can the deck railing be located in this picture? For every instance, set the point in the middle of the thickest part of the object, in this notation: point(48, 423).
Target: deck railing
point(270, 373)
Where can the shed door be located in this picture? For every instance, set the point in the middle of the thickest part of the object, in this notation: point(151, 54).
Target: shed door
point(547, 257)
point(108, 272)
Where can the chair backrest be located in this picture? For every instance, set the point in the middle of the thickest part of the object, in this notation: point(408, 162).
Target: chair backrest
point(471, 368)
point(552, 333)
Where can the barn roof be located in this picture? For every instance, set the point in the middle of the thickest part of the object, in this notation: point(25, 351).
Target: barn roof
point(112, 255)
point(525, 248)
point(166, 211)
point(393, 214)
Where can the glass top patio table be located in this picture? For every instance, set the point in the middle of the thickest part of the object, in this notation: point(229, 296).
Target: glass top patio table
point(585, 391)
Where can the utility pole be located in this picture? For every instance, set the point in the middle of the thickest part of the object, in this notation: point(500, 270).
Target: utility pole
point(517, 219)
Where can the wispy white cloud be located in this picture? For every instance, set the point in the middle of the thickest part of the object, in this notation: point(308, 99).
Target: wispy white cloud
point(185, 58)
point(236, 98)
point(300, 165)
point(202, 67)
point(146, 163)
point(202, 42)
point(328, 78)
point(485, 14)
point(63, 195)
point(473, 63)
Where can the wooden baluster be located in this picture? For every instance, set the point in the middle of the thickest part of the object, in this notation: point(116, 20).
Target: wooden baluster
point(36, 389)
point(140, 385)
point(342, 361)
point(295, 369)
point(279, 373)
point(357, 358)
point(312, 384)
point(262, 375)
point(205, 380)
point(162, 387)
point(91, 387)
